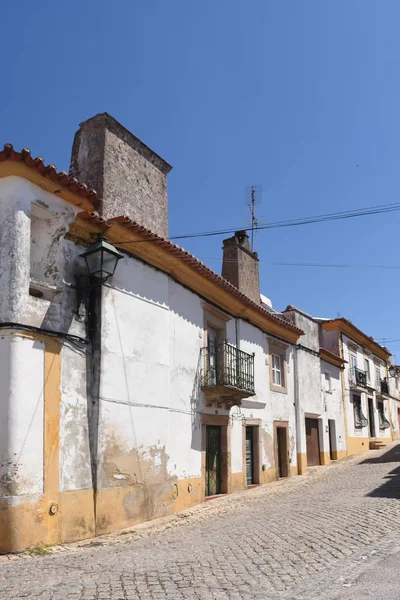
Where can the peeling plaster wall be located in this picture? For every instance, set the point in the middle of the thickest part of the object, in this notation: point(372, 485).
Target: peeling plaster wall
point(21, 416)
point(152, 335)
point(38, 251)
point(151, 402)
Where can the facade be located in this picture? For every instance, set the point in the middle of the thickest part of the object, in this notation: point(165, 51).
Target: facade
point(134, 399)
point(319, 414)
point(167, 384)
point(365, 384)
point(394, 405)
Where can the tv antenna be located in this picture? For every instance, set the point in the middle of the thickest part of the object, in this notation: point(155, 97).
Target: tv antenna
point(253, 199)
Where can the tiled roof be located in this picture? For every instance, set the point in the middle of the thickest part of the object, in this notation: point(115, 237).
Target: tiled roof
point(188, 258)
point(49, 171)
point(368, 339)
point(332, 355)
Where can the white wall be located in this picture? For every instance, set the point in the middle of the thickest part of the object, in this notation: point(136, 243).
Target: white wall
point(42, 253)
point(21, 415)
point(332, 402)
point(152, 336)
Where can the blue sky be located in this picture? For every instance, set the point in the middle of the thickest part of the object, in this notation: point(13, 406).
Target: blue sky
point(302, 97)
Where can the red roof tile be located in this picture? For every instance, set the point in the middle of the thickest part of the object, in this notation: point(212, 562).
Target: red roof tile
point(61, 178)
point(188, 258)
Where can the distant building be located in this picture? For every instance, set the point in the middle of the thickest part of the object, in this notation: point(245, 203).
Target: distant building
point(365, 384)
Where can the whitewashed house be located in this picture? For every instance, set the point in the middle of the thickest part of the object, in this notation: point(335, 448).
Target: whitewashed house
point(365, 386)
point(320, 426)
point(138, 382)
point(394, 406)
point(142, 396)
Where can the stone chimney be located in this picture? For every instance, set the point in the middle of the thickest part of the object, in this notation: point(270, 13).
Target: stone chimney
point(130, 178)
point(240, 265)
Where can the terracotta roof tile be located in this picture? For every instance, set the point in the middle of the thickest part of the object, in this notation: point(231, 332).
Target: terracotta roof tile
point(50, 171)
point(188, 258)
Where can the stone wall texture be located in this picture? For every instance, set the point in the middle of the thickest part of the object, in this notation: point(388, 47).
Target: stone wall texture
point(129, 177)
point(240, 266)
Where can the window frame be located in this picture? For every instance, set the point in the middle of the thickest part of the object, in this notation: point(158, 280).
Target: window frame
point(378, 379)
point(277, 369)
point(277, 348)
point(329, 379)
point(367, 367)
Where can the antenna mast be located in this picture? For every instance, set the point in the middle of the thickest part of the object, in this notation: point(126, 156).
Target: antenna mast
point(253, 198)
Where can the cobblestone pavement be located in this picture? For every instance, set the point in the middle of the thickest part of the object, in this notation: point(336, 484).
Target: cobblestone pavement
point(305, 538)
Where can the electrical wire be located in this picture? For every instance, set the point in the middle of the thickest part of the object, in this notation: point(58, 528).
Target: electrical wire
point(372, 210)
point(299, 264)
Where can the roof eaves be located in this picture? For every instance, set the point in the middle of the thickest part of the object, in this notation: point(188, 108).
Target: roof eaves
point(189, 259)
point(50, 171)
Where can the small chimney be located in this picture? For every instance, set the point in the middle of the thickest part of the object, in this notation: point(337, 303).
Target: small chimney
point(130, 178)
point(240, 265)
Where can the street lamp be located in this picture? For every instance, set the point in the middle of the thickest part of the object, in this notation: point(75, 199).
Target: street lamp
point(101, 260)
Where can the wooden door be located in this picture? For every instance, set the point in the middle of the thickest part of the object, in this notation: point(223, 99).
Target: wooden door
point(398, 417)
point(249, 456)
point(282, 451)
point(312, 441)
point(213, 460)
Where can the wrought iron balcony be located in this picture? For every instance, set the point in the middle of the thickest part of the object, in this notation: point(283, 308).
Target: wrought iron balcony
point(358, 377)
point(384, 387)
point(227, 375)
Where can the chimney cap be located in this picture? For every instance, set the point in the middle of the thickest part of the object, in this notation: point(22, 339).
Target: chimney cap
point(110, 123)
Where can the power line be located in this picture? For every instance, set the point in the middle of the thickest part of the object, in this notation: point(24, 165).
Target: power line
point(372, 210)
point(300, 264)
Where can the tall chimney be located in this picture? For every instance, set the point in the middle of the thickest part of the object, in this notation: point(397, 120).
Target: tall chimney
point(130, 178)
point(240, 265)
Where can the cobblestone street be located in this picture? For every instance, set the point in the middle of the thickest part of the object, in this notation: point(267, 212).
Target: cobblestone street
point(307, 537)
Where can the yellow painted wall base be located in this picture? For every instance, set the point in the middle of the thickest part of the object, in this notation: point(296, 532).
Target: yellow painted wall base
point(324, 458)
point(339, 454)
point(301, 463)
point(355, 445)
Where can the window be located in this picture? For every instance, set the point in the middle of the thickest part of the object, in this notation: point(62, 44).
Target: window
point(327, 382)
point(383, 422)
point(378, 379)
point(360, 420)
point(353, 366)
point(276, 369)
point(367, 369)
point(277, 366)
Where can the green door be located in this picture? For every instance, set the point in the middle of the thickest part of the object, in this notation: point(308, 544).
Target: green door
point(213, 460)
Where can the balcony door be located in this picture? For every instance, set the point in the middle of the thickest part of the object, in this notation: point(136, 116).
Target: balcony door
point(212, 346)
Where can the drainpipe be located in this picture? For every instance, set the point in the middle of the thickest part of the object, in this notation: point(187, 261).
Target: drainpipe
point(93, 375)
point(342, 377)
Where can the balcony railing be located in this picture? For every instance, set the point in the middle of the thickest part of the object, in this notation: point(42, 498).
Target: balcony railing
point(384, 387)
point(227, 372)
point(358, 377)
